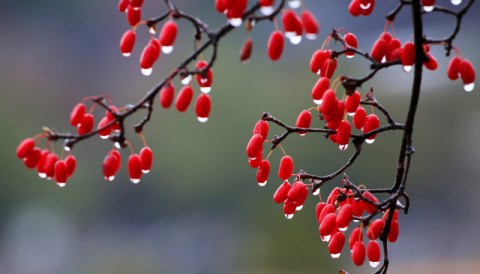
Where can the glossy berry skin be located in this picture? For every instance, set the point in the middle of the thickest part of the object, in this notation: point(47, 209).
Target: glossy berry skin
point(255, 146)
point(168, 33)
point(203, 106)
point(428, 3)
point(61, 173)
point(25, 148)
point(127, 42)
point(394, 230)
point(135, 168)
point(109, 115)
point(286, 168)
point(86, 125)
point(328, 224)
point(280, 195)
point(122, 5)
point(355, 236)
point(289, 208)
point(319, 89)
point(354, 9)
point(337, 119)
point(344, 216)
point(358, 253)
point(204, 82)
point(261, 127)
point(310, 23)
point(256, 163)
point(369, 207)
point(408, 54)
point(395, 215)
point(235, 8)
point(77, 114)
point(296, 191)
point(220, 6)
point(302, 198)
point(368, 11)
point(319, 209)
point(166, 95)
point(328, 67)
point(431, 64)
point(133, 16)
point(336, 243)
point(351, 40)
point(352, 102)
point(149, 56)
point(275, 45)
point(467, 72)
point(303, 121)
point(329, 102)
point(246, 51)
point(33, 158)
point(375, 229)
point(371, 123)
point(105, 133)
point(317, 60)
point(289, 20)
point(325, 211)
point(379, 49)
point(452, 70)
point(41, 163)
point(343, 133)
point(49, 165)
point(184, 98)
point(387, 36)
point(373, 252)
point(359, 208)
point(393, 45)
point(263, 171)
point(71, 163)
point(146, 157)
point(109, 167)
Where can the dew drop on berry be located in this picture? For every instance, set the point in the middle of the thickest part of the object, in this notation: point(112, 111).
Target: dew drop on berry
point(316, 192)
point(202, 119)
point(117, 145)
point(289, 216)
point(407, 68)
point(370, 141)
point(294, 4)
point(262, 184)
point(428, 9)
point(469, 87)
point(127, 54)
point(318, 102)
point(167, 49)
point(326, 238)
point(42, 175)
point(350, 56)
point(152, 30)
point(61, 184)
point(298, 208)
point(344, 147)
point(236, 22)
point(104, 137)
point(311, 36)
point(343, 229)
point(147, 72)
point(205, 89)
point(456, 2)
point(374, 264)
point(365, 7)
point(186, 80)
point(67, 148)
point(135, 181)
point(335, 256)
point(266, 10)
point(384, 59)
point(296, 39)
point(109, 178)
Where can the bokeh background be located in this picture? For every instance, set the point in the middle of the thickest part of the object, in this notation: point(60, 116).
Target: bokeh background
point(200, 210)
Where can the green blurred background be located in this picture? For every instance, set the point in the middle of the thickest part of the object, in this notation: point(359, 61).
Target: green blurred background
point(200, 210)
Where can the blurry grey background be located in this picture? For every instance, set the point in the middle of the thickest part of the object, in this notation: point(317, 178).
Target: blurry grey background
point(200, 210)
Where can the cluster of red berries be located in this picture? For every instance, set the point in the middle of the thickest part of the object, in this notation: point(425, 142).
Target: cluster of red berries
point(233, 9)
point(137, 164)
point(334, 217)
point(47, 163)
point(428, 5)
point(85, 121)
point(361, 7)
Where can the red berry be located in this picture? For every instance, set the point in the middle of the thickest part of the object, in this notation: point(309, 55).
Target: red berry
point(149, 56)
point(49, 165)
point(467, 72)
point(33, 158)
point(311, 24)
point(379, 50)
point(408, 56)
point(184, 98)
point(359, 118)
point(375, 229)
point(86, 125)
point(325, 211)
point(255, 146)
point(275, 45)
point(256, 163)
point(396, 54)
point(25, 148)
point(369, 207)
point(127, 42)
point(289, 209)
point(354, 8)
point(327, 225)
point(351, 41)
point(296, 191)
point(280, 195)
point(202, 107)
point(359, 208)
point(328, 67)
point(77, 114)
point(109, 115)
point(118, 159)
point(394, 229)
point(344, 217)
point(286, 168)
point(109, 167)
point(352, 102)
point(61, 173)
point(302, 198)
point(357, 235)
point(261, 127)
point(133, 15)
point(452, 70)
point(336, 244)
point(329, 102)
point(319, 89)
point(41, 163)
point(105, 133)
point(371, 123)
point(317, 60)
point(333, 138)
point(262, 173)
point(220, 5)
point(146, 157)
point(246, 51)
point(395, 215)
point(387, 36)
point(337, 119)
point(319, 209)
point(373, 253)
point(135, 168)
point(303, 121)
point(168, 34)
point(358, 253)
point(122, 5)
point(431, 64)
point(289, 20)
point(332, 197)
point(343, 133)
point(235, 8)
point(204, 83)
point(428, 3)
point(136, 3)
point(369, 9)
point(71, 163)
point(166, 94)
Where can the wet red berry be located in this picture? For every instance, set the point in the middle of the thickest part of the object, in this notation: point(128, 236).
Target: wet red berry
point(325, 211)
point(379, 50)
point(369, 7)
point(344, 217)
point(328, 67)
point(71, 163)
point(109, 167)
point(431, 64)
point(369, 207)
point(359, 208)
point(337, 119)
point(122, 5)
point(86, 124)
point(343, 133)
point(204, 83)
point(319, 89)
point(392, 46)
point(358, 253)
point(61, 173)
point(375, 229)
point(149, 56)
point(146, 157)
point(166, 95)
point(408, 55)
point(303, 121)
point(49, 165)
point(135, 168)
point(41, 163)
point(452, 70)
point(246, 51)
point(327, 225)
point(77, 114)
point(127, 42)
point(319, 209)
point(296, 191)
point(25, 148)
point(302, 198)
point(373, 252)
point(289, 209)
point(262, 173)
point(352, 102)
point(275, 45)
point(202, 107)
point(286, 168)
point(394, 230)
point(311, 24)
point(317, 60)
point(329, 102)
point(467, 72)
point(261, 127)
point(371, 123)
point(280, 195)
point(184, 98)
point(355, 236)
point(133, 15)
point(105, 133)
point(33, 158)
point(354, 8)
point(255, 146)
point(359, 118)
point(351, 41)
point(168, 33)
point(336, 244)
point(256, 163)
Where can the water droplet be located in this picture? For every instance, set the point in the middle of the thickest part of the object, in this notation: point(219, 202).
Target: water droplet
point(296, 39)
point(127, 54)
point(303, 134)
point(135, 181)
point(266, 10)
point(318, 102)
point(469, 87)
point(42, 175)
point(246, 61)
point(343, 229)
point(365, 6)
point(236, 22)
point(374, 264)
point(319, 71)
point(147, 72)
point(384, 59)
point(186, 80)
point(456, 2)
point(262, 184)
point(351, 113)
point(202, 119)
point(335, 256)
point(350, 56)
point(325, 239)
point(343, 147)
point(203, 80)
point(145, 171)
point(311, 36)
point(370, 141)
point(104, 136)
point(152, 30)
point(289, 216)
point(136, 8)
point(316, 192)
point(205, 89)
point(298, 208)
point(253, 159)
point(356, 221)
point(428, 9)
point(290, 34)
point(117, 130)
point(167, 50)
point(407, 68)
point(294, 4)
point(61, 184)
point(66, 148)
point(111, 178)
point(49, 178)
